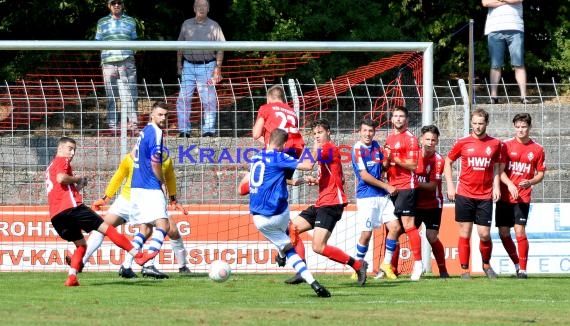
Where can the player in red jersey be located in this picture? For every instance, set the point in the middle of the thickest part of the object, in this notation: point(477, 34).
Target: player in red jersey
point(524, 168)
point(430, 198)
point(402, 148)
point(477, 189)
point(272, 115)
point(327, 211)
point(68, 213)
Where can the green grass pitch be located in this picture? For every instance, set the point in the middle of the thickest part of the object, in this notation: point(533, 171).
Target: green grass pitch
point(255, 299)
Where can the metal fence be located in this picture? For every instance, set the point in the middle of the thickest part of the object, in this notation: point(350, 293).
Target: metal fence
point(28, 141)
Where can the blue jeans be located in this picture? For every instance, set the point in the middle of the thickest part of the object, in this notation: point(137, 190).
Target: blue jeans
point(120, 80)
point(498, 42)
point(197, 75)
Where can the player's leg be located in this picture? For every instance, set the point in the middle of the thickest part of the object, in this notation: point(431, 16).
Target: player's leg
point(504, 221)
point(367, 219)
point(483, 220)
point(138, 241)
point(177, 244)
point(303, 222)
point(393, 230)
point(464, 216)
point(432, 220)
point(405, 206)
point(327, 217)
point(148, 208)
point(76, 262)
point(113, 217)
point(521, 218)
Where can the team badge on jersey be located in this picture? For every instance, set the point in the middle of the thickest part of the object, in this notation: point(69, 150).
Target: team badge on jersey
point(488, 150)
point(530, 156)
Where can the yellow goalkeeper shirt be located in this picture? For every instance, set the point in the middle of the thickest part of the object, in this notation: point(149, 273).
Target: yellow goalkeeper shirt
point(125, 173)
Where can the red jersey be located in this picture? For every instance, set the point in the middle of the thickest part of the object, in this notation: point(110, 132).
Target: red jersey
point(522, 161)
point(60, 197)
point(430, 169)
point(280, 115)
point(405, 146)
point(331, 190)
point(478, 157)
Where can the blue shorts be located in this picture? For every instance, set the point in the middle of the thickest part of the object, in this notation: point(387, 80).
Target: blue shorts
point(498, 41)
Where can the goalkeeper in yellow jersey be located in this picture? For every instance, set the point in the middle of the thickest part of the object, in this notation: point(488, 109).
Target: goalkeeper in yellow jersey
point(119, 213)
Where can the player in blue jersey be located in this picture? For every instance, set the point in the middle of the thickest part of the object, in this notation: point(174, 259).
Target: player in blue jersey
point(268, 201)
point(373, 202)
point(148, 185)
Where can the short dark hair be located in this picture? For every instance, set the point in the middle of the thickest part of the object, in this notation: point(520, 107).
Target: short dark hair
point(369, 123)
point(523, 117)
point(324, 123)
point(159, 104)
point(430, 128)
point(278, 137)
point(401, 108)
point(481, 113)
point(65, 140)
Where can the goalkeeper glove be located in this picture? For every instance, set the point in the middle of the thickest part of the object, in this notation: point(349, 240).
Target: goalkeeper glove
point(175, 205)
point(96, 206)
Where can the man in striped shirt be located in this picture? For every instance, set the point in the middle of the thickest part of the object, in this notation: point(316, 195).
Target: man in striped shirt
point(119, 70)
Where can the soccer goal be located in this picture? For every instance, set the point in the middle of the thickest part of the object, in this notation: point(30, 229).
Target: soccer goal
point(63, 94)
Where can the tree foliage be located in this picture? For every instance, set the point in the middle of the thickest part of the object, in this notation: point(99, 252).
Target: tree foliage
point(443, 22)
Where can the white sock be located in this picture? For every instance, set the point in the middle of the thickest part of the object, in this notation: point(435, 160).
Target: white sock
point(179, 251)
point(388, 257)
point(138, 241)
point(93, 243)
point(299, 265)
point(157, 239)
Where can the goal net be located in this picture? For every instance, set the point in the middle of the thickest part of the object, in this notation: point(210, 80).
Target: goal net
point(63, 94)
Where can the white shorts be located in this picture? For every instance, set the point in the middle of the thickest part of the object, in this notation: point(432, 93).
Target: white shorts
point(371, 212)
point(274, 228)
point(147, 205)
point(122, 208)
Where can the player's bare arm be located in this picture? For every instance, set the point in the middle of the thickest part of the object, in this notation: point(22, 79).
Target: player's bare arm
point(257, 131)
point(408, 164)
point(368, 178)
point(535, 180)
point(513, 189)
point(498, 168)
point(448, 173)
point(66, 179)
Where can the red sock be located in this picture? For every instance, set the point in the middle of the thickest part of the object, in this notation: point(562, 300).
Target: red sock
point(300, 248)
point(415, 242)
point(118, 239)
point(78, 257)
point(439, 254)
point(510, 248)
point(335, 254)
point(486, 248)
point(464, 252)
point(522, 241)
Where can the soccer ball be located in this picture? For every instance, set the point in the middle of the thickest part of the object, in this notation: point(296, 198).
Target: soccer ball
point(220, 271)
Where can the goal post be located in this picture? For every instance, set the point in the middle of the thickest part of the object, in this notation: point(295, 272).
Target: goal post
point(219, 222)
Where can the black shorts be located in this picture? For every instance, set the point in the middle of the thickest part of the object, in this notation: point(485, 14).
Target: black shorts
point(324, 217)
point(478, 211)
point(405, 202)
point(70, 222)
point(296, 153)
point(508, 214)
point(430, 216)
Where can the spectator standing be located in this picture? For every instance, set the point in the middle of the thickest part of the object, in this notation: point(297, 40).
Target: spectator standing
point(119, 70)
point(504, 28)
point(199, 69)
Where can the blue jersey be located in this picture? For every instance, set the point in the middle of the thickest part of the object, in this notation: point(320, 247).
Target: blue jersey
point(367, 158)
point(268, 194)
point(148, 149)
